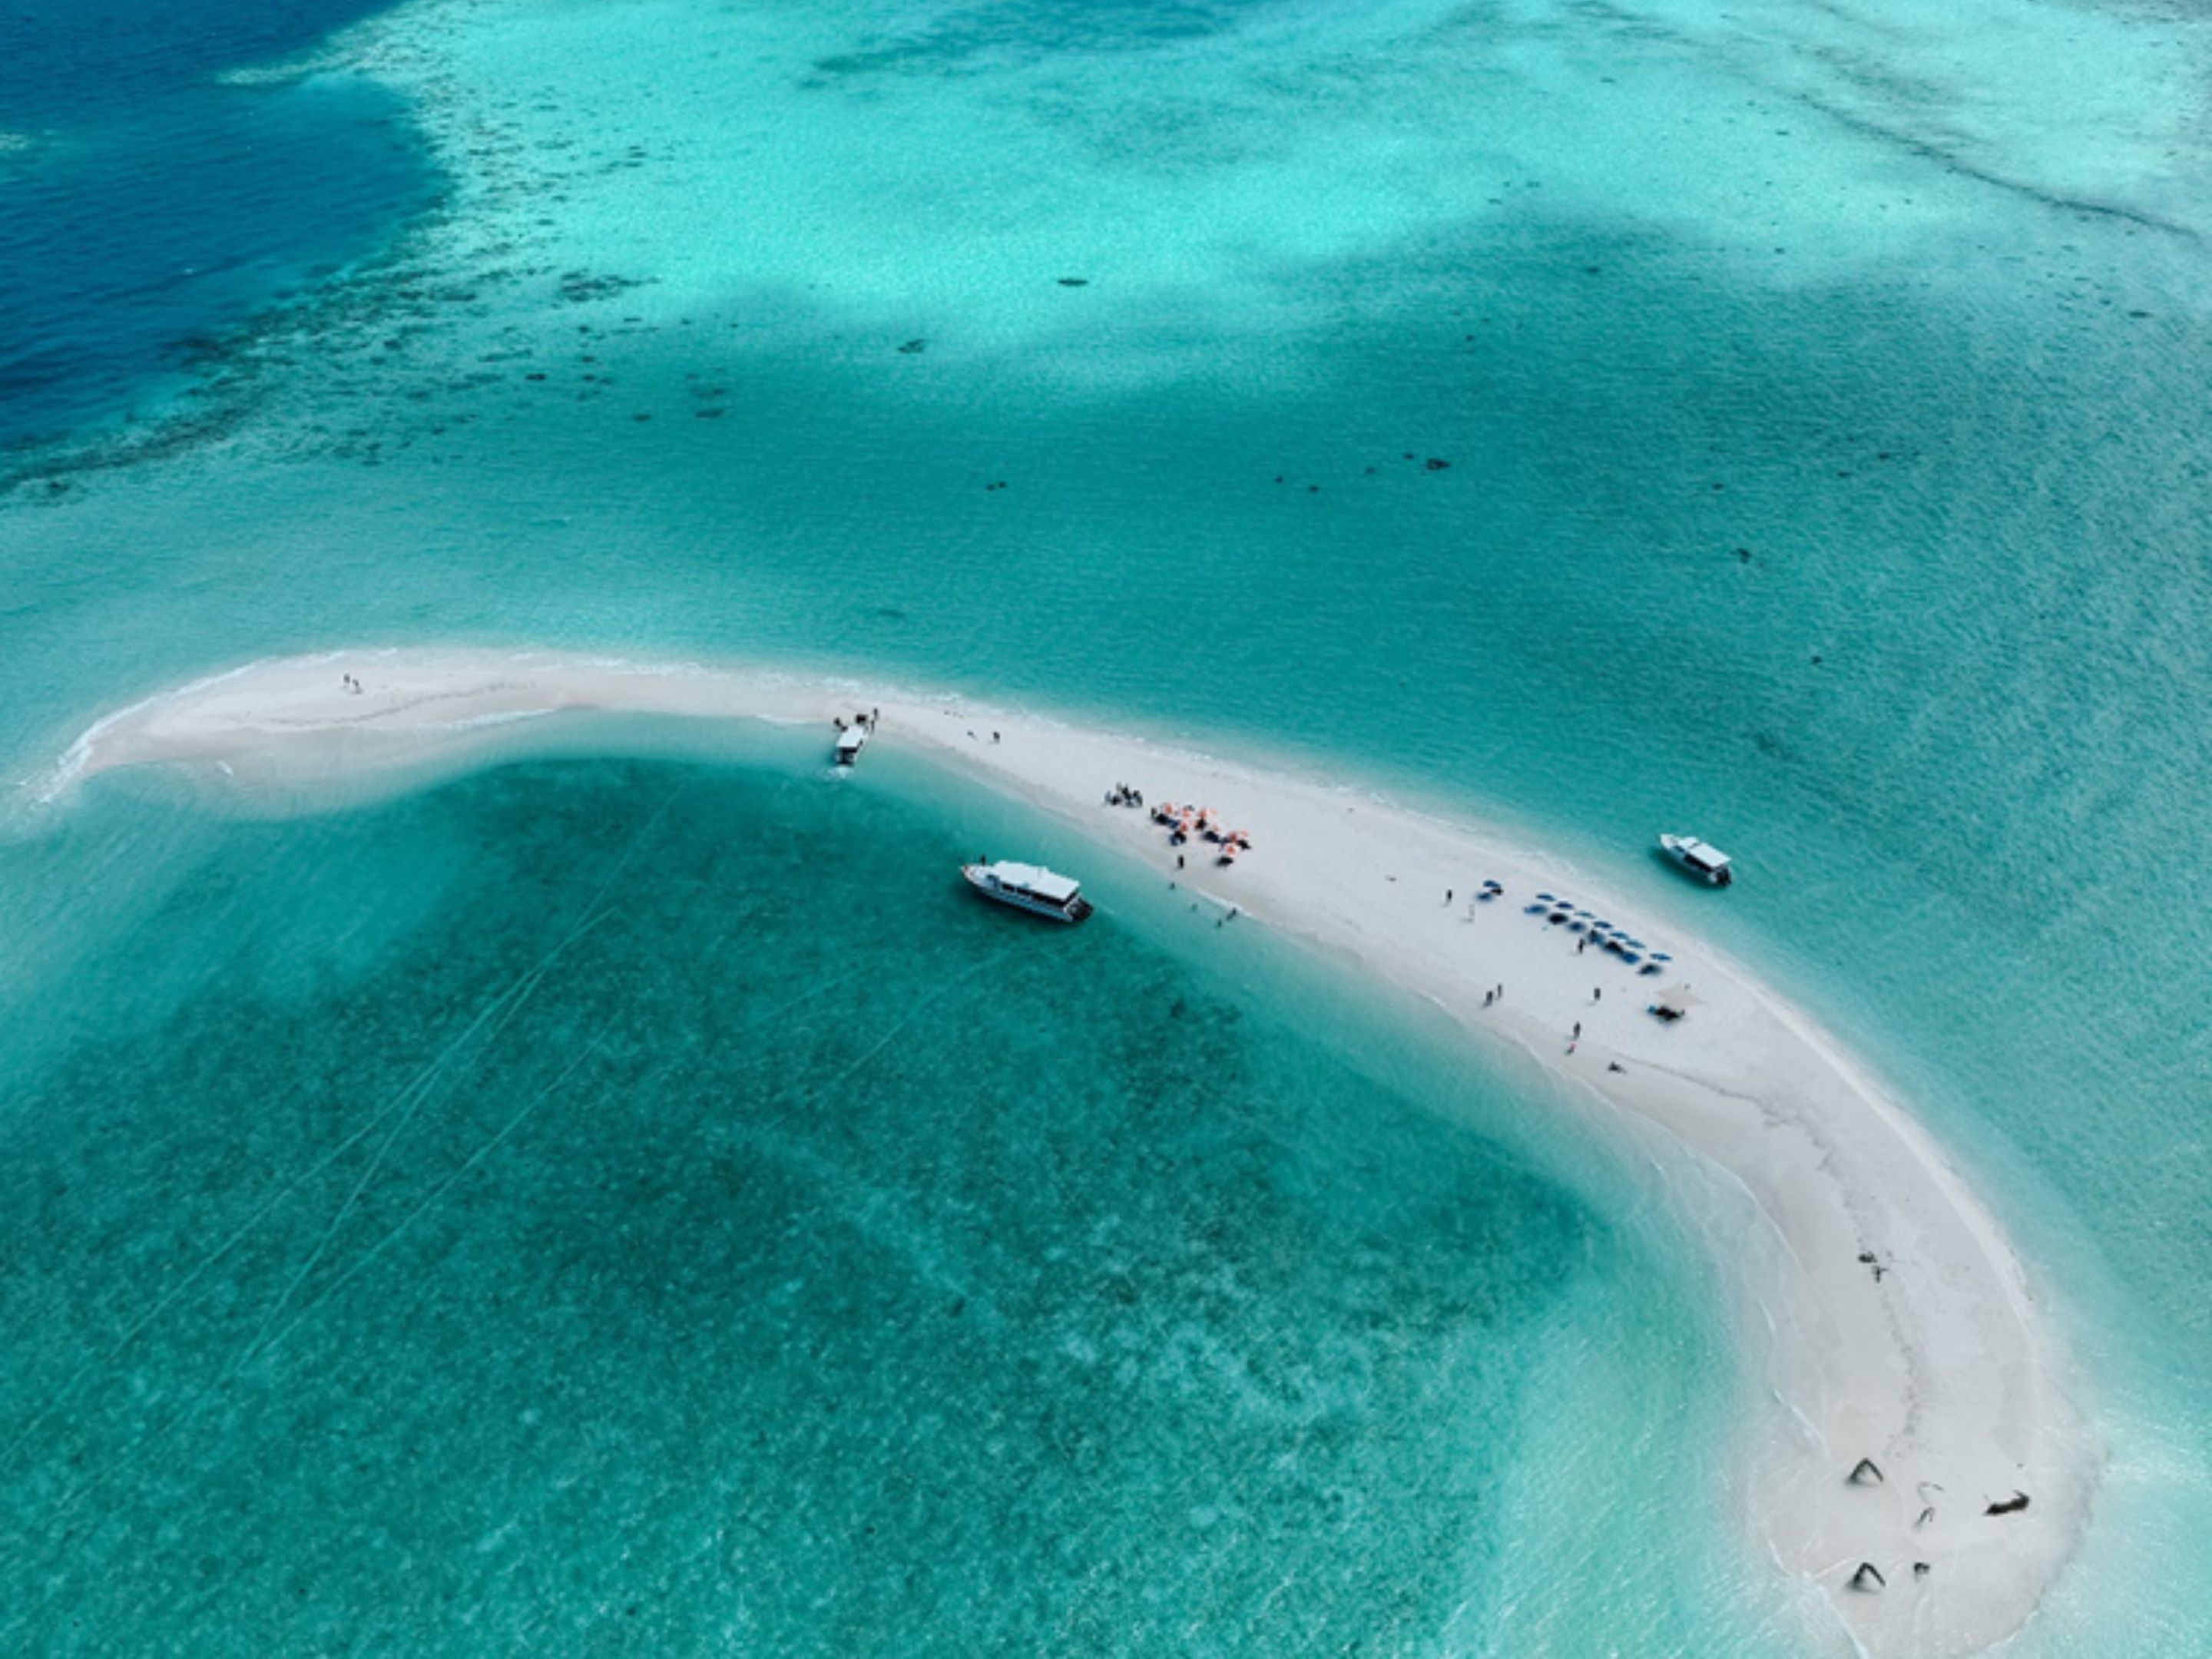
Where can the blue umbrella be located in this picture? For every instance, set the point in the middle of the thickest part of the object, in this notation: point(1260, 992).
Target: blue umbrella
point(1660, 956)
point(1547, 898)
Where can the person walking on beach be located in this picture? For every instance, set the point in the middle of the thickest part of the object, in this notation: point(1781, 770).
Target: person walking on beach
point(1578, 1030)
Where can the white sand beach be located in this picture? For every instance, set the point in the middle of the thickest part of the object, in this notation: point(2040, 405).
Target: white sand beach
point(1883, 1308)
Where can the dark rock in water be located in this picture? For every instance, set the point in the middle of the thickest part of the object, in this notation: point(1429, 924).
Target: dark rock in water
point(1866, 1473)
point(1436, 464)
point(578, 286)
point(2012, 1505)
point(1075, 282)
point(1869, 1577)
point(912, 346)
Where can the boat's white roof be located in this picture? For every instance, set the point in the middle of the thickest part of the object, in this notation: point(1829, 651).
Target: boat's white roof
point(1703, 851)
point(1036, 879)
point(852, 737)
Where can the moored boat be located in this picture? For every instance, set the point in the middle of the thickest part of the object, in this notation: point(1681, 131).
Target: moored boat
point(1029, 887)
point(850, 740)
point(1701, 859)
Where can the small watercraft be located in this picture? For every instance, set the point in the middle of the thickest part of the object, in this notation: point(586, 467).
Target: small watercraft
point(1701, 859)
point(1029, 887)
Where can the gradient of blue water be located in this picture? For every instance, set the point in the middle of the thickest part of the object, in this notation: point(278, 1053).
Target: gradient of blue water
point(1947, 710)
point(150, 206)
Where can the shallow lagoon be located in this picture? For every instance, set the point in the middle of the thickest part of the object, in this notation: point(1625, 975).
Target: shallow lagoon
point(1907, 313)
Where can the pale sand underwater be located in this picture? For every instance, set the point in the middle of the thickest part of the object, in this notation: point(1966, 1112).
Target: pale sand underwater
point(1882, 1306)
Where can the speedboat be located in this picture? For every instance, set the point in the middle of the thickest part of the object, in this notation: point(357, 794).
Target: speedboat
point(1029, 887)
point(1701, 859)
point(849, 741)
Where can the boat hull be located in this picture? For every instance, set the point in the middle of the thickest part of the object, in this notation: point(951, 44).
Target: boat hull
point(1078, 909)
point(1684, 860)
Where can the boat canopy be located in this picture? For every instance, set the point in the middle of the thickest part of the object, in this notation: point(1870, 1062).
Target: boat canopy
point(1704, 854)
point(1036, 879)
point(851, 737)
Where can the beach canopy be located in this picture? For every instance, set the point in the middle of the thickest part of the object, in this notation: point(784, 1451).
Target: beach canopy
point(1660, 956)
point(1678, 1001)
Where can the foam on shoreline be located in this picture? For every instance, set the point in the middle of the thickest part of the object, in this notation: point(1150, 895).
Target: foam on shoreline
point(1883, 1308)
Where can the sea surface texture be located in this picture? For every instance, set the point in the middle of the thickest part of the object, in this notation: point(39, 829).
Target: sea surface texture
point(626, 1202)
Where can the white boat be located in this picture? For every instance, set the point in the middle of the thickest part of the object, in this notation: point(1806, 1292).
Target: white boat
point(1029, 887)
point(848, 743)
point(1701, 859)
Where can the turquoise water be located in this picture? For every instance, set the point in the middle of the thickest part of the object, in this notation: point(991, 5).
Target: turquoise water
point(1820, 401)
point(565, 1206)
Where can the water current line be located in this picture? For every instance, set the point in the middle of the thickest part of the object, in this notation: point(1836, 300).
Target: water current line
point(513, 999)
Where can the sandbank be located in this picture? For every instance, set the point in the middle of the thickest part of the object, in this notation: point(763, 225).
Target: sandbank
point(1882, 1308)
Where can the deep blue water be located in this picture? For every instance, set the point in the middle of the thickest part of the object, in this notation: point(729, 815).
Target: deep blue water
point(1822, 397)
point(146, 205)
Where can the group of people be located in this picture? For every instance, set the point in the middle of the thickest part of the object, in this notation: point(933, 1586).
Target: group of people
point(1181, 823)
point(1122, 795)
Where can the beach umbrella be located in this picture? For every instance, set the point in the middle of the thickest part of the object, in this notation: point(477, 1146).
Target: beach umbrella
point(1547, 898)
point(1652, 966)
point(1660, 956)
point(1600, 923)
point(1635, 944)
